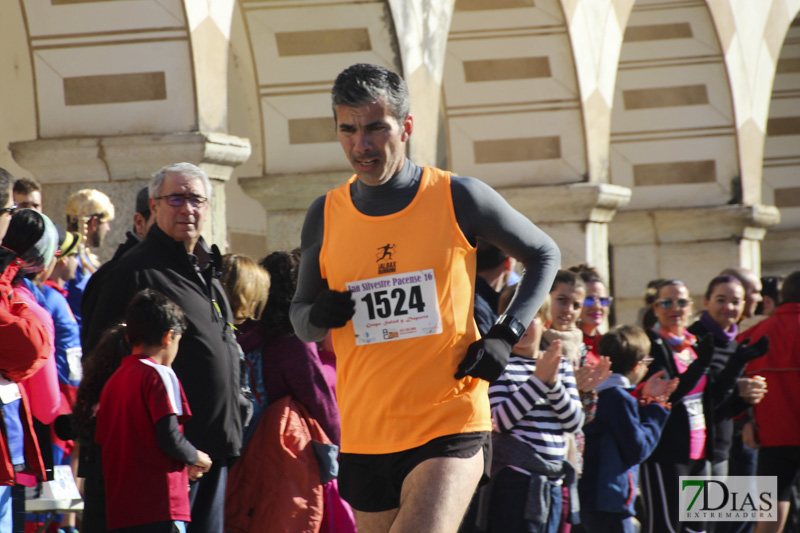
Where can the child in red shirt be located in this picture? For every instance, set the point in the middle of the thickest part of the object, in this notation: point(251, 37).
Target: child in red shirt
point(144, 452)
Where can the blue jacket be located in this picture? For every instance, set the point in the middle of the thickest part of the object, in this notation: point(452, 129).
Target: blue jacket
point(619, 438)
point(68, 337)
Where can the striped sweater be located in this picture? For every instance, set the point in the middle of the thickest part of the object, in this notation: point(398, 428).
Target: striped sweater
point(533, 412)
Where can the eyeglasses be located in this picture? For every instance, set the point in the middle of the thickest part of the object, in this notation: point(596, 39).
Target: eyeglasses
point(9, 210)
point(177, 200)
point(591, 300)
point(646, 361)
point(667, 303)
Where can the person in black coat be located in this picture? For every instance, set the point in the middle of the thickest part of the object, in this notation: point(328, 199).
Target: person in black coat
point(174, 260)
point(724, 302)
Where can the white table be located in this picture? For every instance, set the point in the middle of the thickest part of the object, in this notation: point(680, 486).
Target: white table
point(51, 507)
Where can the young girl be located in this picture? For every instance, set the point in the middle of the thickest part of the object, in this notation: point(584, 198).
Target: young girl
point(145, 455)
point(567, 296)
point(534, 405)
point(98, 367)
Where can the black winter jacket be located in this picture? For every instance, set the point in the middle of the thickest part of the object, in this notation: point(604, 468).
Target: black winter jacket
point(726, 400)
point(207, 363)
point(674, 443)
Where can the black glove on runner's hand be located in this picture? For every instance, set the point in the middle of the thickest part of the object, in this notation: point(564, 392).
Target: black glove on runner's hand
point(487, 357)
point(746, 352)
point(332, 309)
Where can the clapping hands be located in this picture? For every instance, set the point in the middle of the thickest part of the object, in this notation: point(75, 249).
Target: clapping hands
point(590, 375)
point(658, 388)
point(547, 364)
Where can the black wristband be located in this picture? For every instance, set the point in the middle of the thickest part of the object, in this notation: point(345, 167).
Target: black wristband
point(512, 329)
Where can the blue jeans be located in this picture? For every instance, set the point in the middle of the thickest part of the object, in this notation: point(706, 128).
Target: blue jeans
point(507, 505)
point(207, 498)
point(5, 508)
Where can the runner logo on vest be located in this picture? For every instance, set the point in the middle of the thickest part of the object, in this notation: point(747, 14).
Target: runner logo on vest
point(386, 252)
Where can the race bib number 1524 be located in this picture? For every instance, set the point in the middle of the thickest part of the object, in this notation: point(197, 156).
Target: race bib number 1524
point(399, 306)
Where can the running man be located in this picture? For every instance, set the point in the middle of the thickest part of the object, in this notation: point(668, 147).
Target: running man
point(412, 374)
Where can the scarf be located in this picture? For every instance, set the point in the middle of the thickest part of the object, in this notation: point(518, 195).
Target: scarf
point(571, 343)
point(677, 342)
point(716, 330)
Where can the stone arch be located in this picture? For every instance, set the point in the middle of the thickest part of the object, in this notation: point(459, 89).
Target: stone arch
point(673, 127)
point(17, 102)
point(111, 67)
point(99, 72)
point(115, 87)
point(296, 52)
point(515, 100)
point(781, 185)
point(687, 135)
point(513, 106)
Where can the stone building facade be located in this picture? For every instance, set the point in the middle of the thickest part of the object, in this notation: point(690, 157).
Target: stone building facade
point(651, 138)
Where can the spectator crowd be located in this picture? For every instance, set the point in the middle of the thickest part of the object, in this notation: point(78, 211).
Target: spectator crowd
point(464, 381)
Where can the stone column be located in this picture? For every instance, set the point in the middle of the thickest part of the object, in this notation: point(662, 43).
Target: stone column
point(119, 166)
point(692, 244)
point(576, 216)
point(286, 198)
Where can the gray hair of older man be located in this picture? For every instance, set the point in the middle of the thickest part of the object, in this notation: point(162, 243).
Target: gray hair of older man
point(185, 169)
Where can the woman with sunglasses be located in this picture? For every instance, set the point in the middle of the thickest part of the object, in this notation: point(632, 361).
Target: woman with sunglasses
point(724, 303)
point(681, 450)
point(594, 312)
point(685, 442)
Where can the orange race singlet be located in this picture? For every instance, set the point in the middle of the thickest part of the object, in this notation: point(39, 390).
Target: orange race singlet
point(412, 275)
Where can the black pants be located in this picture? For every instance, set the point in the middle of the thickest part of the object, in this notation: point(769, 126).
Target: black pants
point(153, 527)
point(660, 495)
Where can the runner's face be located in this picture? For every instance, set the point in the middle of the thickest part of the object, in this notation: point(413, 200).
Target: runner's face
point(373, 140)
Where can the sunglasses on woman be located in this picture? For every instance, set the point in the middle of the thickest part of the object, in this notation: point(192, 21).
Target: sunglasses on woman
point(591, 300)
point(667, 303)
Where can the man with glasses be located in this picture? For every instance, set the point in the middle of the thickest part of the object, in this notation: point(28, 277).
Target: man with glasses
point(174, 259)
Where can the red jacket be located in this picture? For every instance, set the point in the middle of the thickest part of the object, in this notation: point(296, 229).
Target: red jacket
point(777, 415)
point(276, 486)
point(24, 348)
